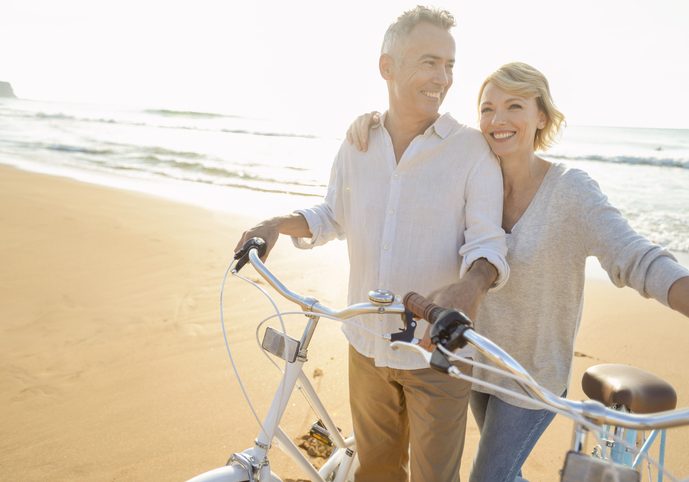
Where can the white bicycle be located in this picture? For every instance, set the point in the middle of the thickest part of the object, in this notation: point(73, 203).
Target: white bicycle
point(451, 330)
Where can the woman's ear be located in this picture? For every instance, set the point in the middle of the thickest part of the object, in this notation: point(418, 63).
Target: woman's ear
point(542, 119)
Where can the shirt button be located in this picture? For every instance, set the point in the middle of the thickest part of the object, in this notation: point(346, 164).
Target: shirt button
point(395, 176)
point(386, 247)
point(391, 211)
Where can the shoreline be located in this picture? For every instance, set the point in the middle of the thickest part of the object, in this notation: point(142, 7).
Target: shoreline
point(114, 366)
point(208, 196)
point(218, 198)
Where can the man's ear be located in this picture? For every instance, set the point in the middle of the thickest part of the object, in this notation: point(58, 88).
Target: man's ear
point(386, 64)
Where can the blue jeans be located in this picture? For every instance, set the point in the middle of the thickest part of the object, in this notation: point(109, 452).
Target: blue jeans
point(508, 434)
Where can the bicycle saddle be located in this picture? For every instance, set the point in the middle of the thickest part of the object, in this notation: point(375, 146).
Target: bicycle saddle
point(637, 390)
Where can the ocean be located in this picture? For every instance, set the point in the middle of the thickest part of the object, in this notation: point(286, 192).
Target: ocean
point(268, 166)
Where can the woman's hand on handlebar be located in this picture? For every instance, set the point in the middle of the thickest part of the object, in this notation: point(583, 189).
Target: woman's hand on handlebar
point(357, 133)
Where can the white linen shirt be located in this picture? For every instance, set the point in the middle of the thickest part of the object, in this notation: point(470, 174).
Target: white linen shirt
point(415, 225)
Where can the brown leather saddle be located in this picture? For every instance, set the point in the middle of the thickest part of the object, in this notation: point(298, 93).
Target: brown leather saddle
point(625, 386)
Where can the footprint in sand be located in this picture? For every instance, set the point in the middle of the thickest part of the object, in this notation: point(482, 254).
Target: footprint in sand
point(186, 304)
point(20, 374)
point(38, 391)
point(193, 329)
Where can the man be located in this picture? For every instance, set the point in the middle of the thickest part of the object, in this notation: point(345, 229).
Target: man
point(421, 210)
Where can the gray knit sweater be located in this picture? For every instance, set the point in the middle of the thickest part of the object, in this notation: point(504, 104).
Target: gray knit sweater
point(536, 315)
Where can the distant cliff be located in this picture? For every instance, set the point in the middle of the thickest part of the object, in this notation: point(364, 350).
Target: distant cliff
point(6, 90)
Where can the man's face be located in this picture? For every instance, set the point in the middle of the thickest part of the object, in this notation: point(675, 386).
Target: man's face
point(421, 71)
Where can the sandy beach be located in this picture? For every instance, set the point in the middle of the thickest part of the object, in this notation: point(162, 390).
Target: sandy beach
point(113, 365)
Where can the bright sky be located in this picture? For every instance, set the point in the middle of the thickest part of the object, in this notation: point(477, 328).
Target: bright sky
point(609, 62)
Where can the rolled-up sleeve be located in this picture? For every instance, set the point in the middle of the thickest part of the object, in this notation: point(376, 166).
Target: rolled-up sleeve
point(484, 236)
point(325, 220)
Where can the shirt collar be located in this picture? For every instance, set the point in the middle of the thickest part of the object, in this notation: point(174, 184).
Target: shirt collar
point(442, 126)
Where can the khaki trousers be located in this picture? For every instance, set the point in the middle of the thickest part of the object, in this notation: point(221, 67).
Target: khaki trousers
point(407, 417)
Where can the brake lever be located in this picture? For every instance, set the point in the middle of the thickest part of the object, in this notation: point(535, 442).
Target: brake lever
point(242, 256)
point(405, 339)
point(406, 333)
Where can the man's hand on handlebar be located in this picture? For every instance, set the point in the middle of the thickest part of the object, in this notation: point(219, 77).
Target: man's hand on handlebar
point(426, 342)
point(270, 229)
point(266, 230)
point(448, 327)
point(467, 293)
point(460, 295)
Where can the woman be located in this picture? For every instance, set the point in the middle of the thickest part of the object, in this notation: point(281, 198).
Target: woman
point(554, 217)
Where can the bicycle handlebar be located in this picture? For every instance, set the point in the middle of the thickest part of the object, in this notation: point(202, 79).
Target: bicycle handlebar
point(458, 327)
point(448, 325)
point(421, 307)
point(312, 304)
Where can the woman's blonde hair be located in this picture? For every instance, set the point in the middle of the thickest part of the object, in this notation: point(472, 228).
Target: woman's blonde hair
point(526, 81)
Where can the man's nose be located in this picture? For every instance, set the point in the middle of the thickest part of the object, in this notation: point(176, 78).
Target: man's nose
point(442, 76)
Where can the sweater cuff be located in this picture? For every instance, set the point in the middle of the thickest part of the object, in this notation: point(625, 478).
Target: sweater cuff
point(661, 275)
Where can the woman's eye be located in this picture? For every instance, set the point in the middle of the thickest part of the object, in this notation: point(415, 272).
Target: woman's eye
point(485, 110)
point(515, 106)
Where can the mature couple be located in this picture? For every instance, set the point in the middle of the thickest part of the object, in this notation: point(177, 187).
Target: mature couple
point(430, 205)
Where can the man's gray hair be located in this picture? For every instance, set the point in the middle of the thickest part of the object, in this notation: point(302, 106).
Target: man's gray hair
point(410, 19)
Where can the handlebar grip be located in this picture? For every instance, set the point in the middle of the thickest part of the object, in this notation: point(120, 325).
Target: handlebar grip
point(242, 256)
point(421, 307)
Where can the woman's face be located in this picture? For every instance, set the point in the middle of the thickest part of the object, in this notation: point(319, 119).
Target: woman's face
point(509, 121)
